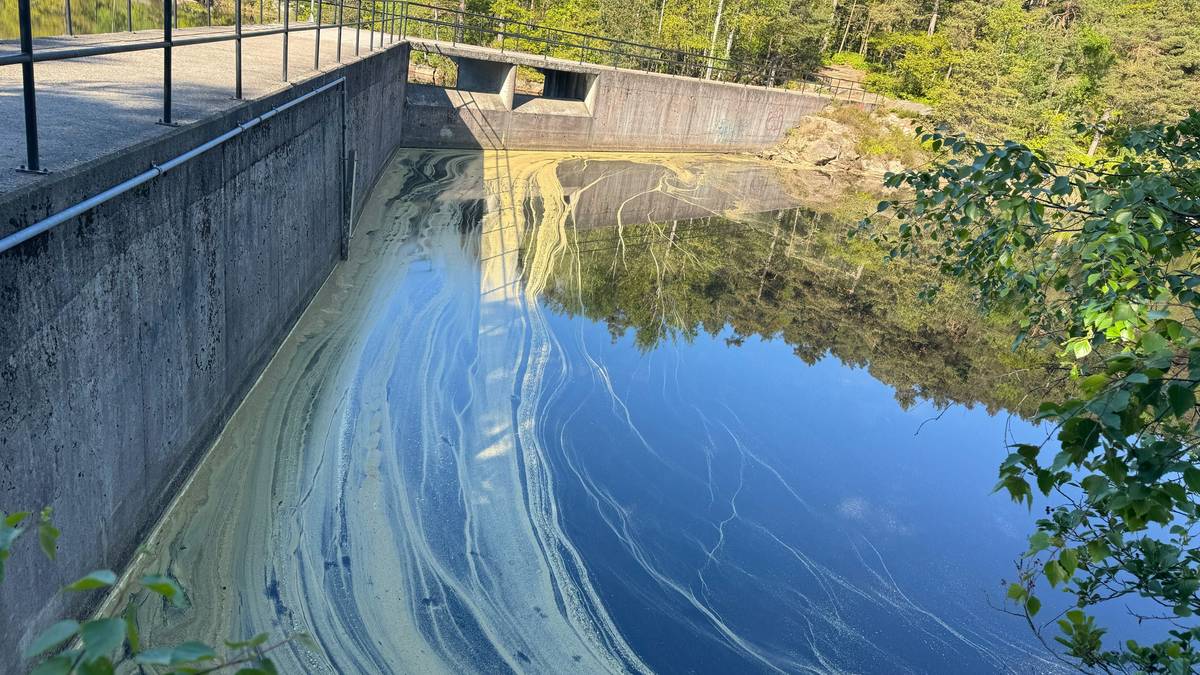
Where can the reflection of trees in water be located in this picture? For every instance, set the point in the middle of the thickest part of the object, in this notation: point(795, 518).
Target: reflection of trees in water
point(792, 274)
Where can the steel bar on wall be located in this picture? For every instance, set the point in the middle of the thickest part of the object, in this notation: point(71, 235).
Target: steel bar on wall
point(156, 170)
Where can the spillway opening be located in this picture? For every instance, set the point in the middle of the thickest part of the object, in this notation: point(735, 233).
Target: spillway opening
point(434, 69)
point(547, 90)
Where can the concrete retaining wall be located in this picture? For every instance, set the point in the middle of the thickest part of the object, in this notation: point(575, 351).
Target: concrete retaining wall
point(129, 335)
point(621, 110)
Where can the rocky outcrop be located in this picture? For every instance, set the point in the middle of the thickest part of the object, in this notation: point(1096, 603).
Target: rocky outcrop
point(849, 140)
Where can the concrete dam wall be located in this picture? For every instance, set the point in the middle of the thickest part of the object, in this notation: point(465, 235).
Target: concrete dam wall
point(128, 335)
point(590, 107)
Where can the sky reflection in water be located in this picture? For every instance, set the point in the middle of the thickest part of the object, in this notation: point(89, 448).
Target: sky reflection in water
point(571, 414)
point(742, 510)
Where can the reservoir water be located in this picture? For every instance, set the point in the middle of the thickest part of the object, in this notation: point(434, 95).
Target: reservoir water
point(565, 413)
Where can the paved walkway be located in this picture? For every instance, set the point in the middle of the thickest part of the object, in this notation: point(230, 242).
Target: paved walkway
point(90, 107)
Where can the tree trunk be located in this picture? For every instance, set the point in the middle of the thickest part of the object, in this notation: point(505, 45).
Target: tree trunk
point(933, 19)
point(712, 43)
point(862, 48)
point(729, 42)
point(662, 12)
point(846, 33)
point(1054, 77)
point(832, 25)
point(1098, 133)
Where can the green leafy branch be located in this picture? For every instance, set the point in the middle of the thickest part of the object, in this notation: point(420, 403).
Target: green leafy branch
point(1102, 260)
point(98, 646)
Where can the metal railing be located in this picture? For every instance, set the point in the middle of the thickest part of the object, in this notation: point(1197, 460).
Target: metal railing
point(380, 17)
point(444, 24)
point(156, 170)
point(398, 19)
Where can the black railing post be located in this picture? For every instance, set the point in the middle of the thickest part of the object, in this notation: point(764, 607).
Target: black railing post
point(371, 42)
point(386, 28)
point(341, 17)
point(237, 50)
point(175, 12)
point(167, 18)
point(358, 16)
point(67, 18)
point(286, 28)
point(129, 13)
point(208, 9)
point(317, 38)
point(260, 11)
point(392, 31)
point(25, 18)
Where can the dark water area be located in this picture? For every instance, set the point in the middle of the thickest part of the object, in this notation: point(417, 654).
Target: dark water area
point(565, 413)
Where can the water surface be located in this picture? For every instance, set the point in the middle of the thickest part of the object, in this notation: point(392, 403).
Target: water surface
point(565, 413)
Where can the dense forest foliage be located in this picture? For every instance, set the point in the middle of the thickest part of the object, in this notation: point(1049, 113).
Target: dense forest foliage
point(1000, 69)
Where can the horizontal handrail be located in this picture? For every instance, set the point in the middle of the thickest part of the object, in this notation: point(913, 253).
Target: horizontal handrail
point(382, 19)
point(156, 170)
point(223, 36)
point(695, 64)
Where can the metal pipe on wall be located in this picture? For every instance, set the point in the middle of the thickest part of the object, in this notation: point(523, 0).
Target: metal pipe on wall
point(157, 170)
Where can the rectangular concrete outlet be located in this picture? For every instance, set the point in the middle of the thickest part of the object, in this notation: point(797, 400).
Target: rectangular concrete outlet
point(487, 77)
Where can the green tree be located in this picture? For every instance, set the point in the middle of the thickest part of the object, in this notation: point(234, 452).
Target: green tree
point(1101, 260)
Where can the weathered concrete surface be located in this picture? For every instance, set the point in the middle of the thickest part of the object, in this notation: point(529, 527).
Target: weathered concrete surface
point(129, 335)
point(613, 109)
point(90, 107)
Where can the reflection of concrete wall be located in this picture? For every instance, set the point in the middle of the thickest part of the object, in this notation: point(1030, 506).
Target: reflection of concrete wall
point(129, 335)
point(625, 110)
point(640, 194)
